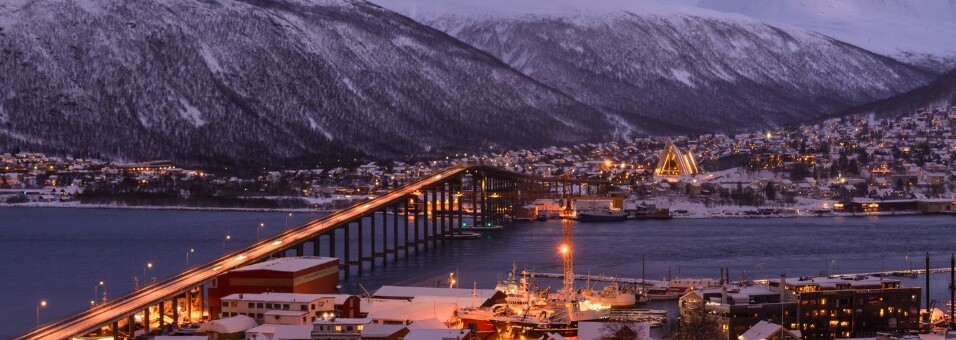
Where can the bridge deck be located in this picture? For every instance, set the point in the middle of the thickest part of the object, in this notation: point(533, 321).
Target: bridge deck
point(92, 319)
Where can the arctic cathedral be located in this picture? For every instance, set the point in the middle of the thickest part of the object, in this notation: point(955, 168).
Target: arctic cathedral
point(674, 164)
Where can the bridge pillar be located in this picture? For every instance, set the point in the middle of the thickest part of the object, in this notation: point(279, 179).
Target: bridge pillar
point(405, 204)
point(114, 329)
point(444, 209)
point(395, 231)
point(347, 255)
point(361, 241)
point(146, 320)
point(384, 236)
point(130, 326)
point(162, 312)
point(300, 249)
point(189, 306)
point(434, 213)
point(372, 246)
point(331, 236)
point(175, 310)
point(461, 202)
point(418, 217)
point(202, 300)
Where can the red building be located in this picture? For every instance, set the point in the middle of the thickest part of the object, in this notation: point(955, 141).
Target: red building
point(306, 275)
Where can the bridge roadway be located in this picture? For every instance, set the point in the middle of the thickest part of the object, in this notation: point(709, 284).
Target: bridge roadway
point(92, 319)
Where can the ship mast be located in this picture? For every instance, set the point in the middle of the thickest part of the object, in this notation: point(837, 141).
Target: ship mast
point(568, 254)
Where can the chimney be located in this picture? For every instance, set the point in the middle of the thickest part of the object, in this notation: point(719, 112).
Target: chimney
point(783, 288)
point(723, 295)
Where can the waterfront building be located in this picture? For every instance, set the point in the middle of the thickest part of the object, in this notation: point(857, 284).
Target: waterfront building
point(289, 308)
point(304, 275)
point(857, 306)
point(339, 328)
point(737, 308)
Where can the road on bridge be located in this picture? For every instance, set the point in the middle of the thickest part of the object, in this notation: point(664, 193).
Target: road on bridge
point(94, 318)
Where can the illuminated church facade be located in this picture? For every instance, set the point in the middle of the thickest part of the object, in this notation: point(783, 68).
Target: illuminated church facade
point(674, 164)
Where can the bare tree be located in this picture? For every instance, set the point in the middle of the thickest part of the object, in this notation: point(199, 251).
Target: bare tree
point(616, 330)
point(701, 327)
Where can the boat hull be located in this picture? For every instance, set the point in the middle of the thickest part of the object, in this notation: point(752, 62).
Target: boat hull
point(585, 217)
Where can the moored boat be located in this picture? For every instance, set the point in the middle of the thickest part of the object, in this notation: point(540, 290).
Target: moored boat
point(602, 216)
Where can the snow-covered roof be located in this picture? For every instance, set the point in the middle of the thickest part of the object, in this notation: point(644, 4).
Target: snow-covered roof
point(763, 330)
point(401, 310)
point(380, 330)
point(289, 264)
point(276, 297)
point(402, 292)
point(283, 332)
point(437, 334)
point(230, 325)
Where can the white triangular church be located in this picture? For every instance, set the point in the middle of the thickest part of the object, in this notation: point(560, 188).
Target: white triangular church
point(673, 163)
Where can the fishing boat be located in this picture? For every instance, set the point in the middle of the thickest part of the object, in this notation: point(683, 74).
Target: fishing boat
point(663, 293)
point(465, 235)
point(485, 228)
point(610, 296)
point(478, 319)
point(602, 216)
point(534, 323)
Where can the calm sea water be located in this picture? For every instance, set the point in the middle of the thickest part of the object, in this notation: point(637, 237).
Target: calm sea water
point(60, 254)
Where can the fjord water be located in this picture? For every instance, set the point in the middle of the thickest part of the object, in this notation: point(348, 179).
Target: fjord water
point(60, 254)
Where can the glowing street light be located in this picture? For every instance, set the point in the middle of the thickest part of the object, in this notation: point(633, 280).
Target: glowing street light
point(565, 249)
point(287, 220)
point(96, 291)
point(149, 265)
point(227, 238)
point(42, 304)
point(191, 250)
point(261, 225)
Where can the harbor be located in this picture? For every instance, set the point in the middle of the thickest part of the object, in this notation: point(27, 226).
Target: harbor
point(603, 251)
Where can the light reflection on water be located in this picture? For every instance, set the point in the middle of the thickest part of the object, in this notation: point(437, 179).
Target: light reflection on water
point(59, 254)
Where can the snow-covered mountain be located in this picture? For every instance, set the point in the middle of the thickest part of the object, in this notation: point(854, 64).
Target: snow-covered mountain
point(941, 93)
point(257, 82)
point(663, 68)
point(916, 31)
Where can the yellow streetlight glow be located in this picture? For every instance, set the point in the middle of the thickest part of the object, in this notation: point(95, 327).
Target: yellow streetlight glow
point(43, 303)
point(565, 249)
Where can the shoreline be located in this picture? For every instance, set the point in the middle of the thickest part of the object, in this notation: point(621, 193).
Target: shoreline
point(41, 205)
point(704, 215)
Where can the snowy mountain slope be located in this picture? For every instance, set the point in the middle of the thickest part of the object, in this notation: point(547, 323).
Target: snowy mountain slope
point(260, 82)
point(915, 31)
point(941, 93)
point(668, 68)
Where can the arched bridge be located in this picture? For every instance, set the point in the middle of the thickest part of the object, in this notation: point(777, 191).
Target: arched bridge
point(433, 207)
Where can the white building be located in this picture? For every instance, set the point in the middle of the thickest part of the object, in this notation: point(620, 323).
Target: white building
point(279, 308)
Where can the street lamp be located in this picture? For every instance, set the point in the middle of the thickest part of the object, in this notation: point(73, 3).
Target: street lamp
point(96, 291)
point(191, 250)
point(224, 243)
point(42, 304)
point(287, 220)
point(149, 265)
point(261, 225)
